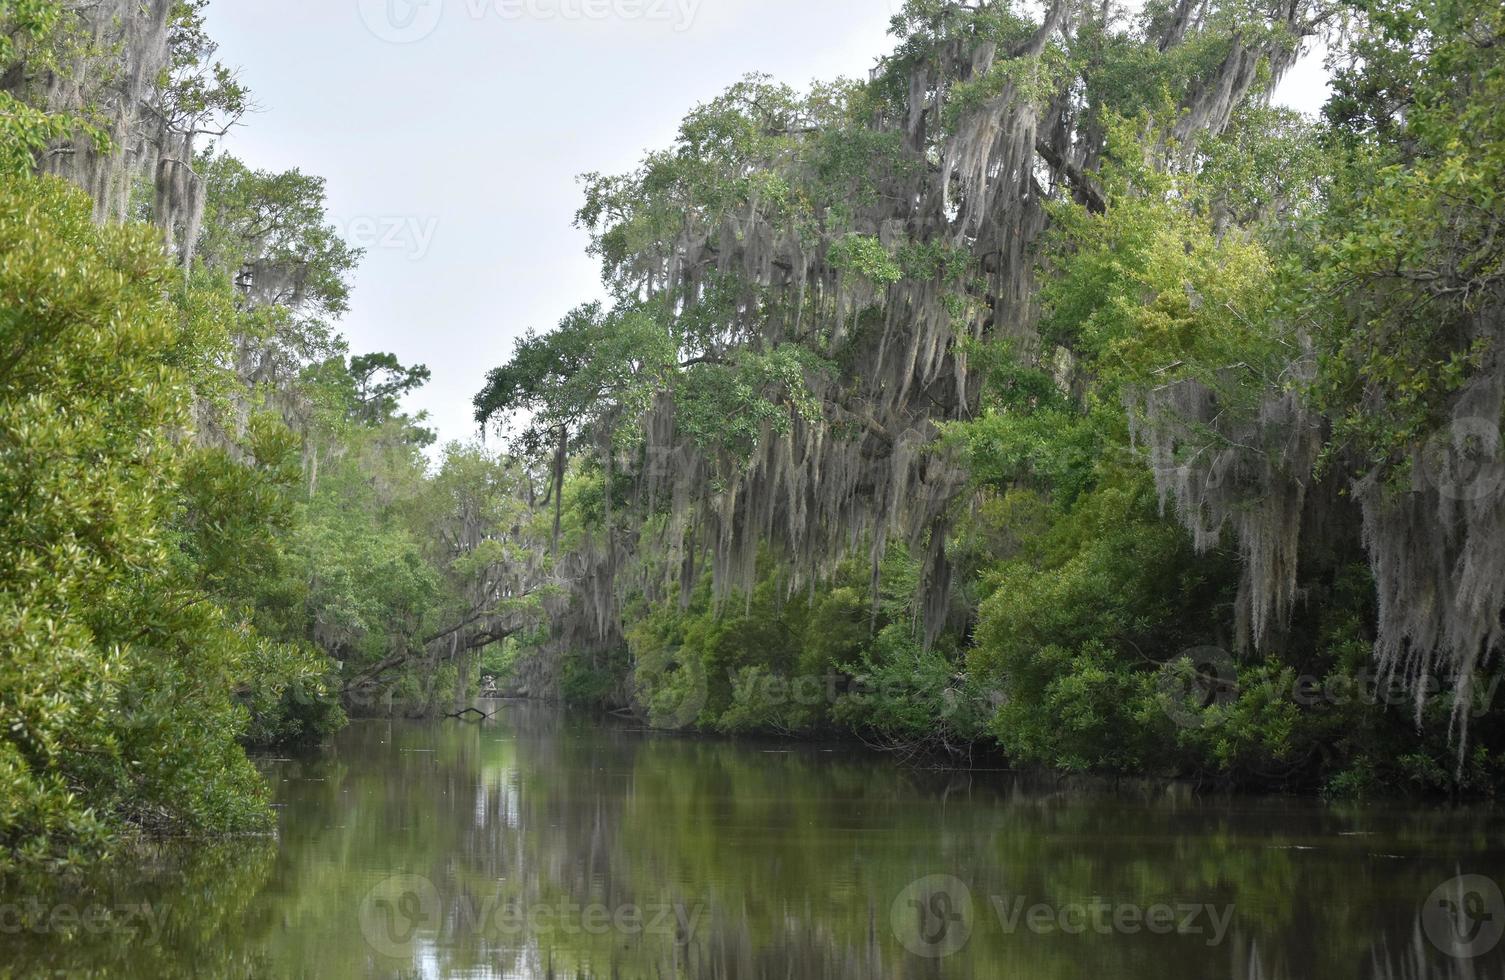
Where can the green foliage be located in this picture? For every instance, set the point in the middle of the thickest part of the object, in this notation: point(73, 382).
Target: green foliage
point(216, 525)
point(1345, 264)
point(1152, 290)
point(912, 697)
point(270, 234)
point(1408, 252)
point(865, 256)
point(819, 659)
point(1029, 433)
point(1072, 631)
point(731, 407)
point(194, 87)
point(28, 31)
point(371, 587)
point(597, 365)
point(590, 680)
point(24, 132)
point(117, 688)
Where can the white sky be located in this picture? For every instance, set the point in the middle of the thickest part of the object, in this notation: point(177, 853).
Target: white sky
point(451, 133)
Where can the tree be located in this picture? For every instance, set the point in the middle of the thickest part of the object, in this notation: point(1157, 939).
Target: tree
point(119, 679)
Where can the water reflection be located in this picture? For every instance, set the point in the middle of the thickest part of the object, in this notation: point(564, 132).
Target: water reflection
point(540, 845)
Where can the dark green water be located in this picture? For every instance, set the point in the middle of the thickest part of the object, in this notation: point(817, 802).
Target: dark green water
point(541, 845)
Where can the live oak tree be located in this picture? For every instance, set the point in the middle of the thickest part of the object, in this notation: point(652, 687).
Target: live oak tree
point(804, 275)
point(1059, 305)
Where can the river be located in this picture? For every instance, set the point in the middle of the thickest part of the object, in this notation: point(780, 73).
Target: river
point(542, 844)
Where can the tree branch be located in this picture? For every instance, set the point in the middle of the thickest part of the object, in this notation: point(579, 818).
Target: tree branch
point(1087, 192)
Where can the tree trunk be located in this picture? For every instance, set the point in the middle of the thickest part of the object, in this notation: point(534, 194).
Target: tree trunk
point(464, 662)
point(431, 684)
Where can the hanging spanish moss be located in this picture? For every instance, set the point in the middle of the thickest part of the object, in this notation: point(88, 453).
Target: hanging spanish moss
point(109, 75)
point(972, 128)
point(1435, 543)
point(1225, 466)
point(120, 53)
point(1437, 546)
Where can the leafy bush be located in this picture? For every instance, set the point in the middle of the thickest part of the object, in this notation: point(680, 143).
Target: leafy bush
point(117, 672)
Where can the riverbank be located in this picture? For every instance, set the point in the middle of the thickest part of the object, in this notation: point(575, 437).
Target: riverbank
point(546, 840)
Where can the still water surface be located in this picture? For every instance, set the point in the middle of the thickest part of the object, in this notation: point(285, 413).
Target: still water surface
point(540, 844)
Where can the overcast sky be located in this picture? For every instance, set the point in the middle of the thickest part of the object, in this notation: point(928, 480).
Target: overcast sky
point(451, 133)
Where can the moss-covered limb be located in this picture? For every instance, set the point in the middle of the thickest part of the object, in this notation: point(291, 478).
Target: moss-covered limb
point(799, 276)
point(1038, 255)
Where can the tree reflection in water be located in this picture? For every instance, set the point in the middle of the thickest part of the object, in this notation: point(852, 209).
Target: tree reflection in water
point(775, 861)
